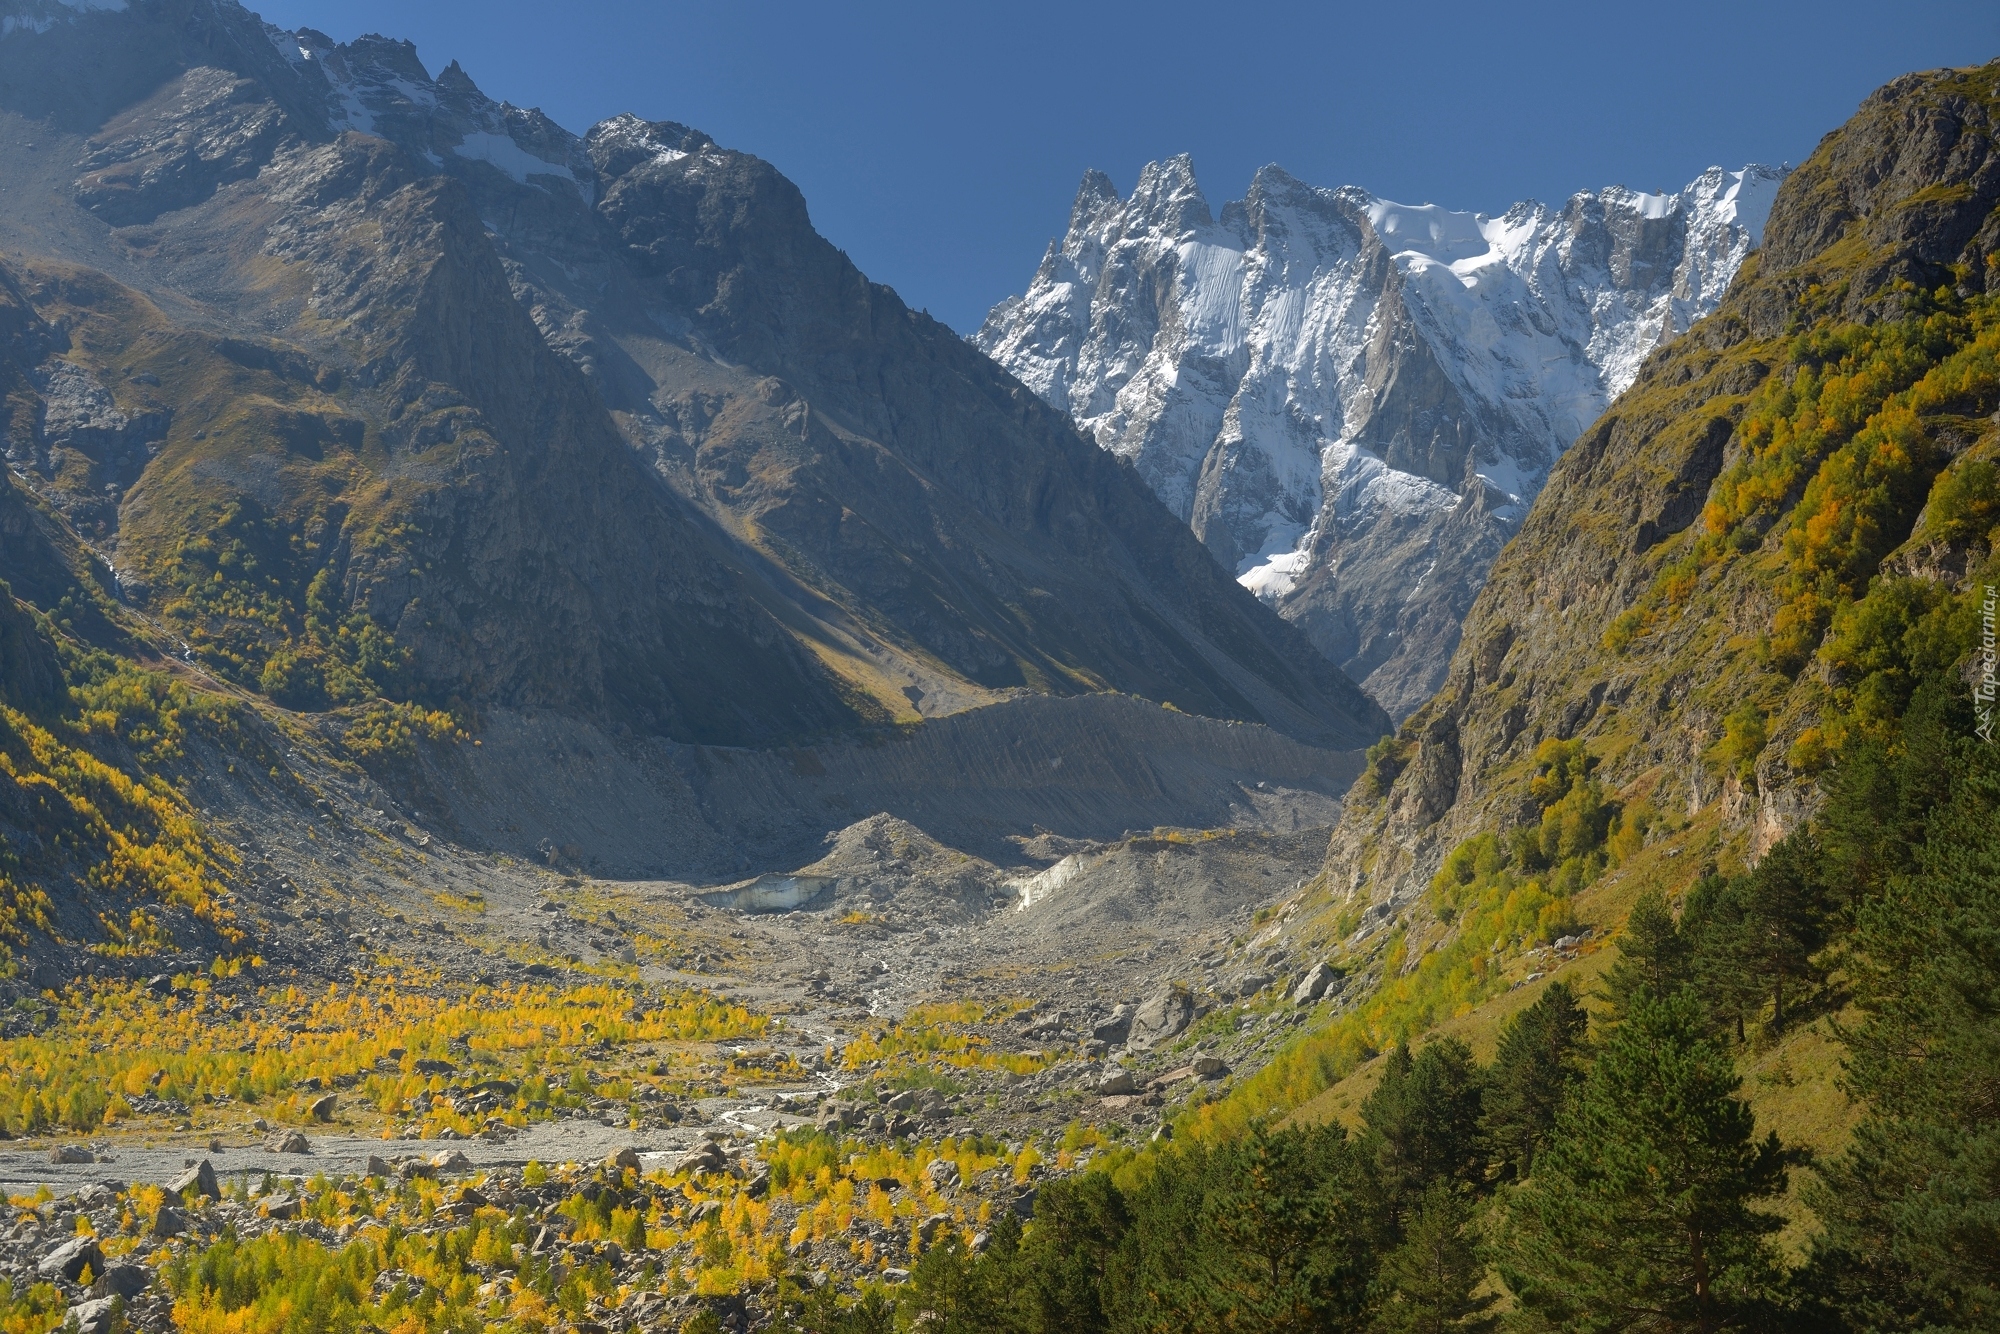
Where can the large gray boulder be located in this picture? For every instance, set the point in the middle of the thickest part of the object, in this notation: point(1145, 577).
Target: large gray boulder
point(69, 1260)
point(1161, 1017)
point(125, 1280)
point(1315, 983)
point(93, 1316)
point(200, 1179)
point(1114, 1027)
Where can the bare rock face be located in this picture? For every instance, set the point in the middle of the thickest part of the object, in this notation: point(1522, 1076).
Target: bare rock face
point(199, 132)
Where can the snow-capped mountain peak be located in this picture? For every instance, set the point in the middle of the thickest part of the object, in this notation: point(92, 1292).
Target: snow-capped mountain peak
point(1354, 400)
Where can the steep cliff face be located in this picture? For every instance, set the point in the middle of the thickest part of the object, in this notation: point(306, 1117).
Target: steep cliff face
point(316, 435)
point(1352, 401)
point(367, 385)
point(939, 515)
point(1771, 534)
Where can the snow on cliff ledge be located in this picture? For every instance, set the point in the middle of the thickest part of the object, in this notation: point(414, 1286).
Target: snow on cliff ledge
point(1354, 401)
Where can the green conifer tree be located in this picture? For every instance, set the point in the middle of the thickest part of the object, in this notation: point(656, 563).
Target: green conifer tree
point(1640, 1213)
point(1654, 959)
point(1430, 1283)
point(1277, 1231)
point(1715, 923)
point(1423, 1119)
point(1785, 922)
point(1911, 1212)
point(1538, 1064)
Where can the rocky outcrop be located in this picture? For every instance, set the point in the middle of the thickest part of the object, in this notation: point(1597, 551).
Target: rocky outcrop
point(30, 677)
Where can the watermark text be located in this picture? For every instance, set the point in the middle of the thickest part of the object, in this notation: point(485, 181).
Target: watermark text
point(1988, 685)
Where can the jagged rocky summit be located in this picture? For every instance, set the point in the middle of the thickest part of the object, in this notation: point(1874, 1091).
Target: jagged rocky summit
point(1353, 402)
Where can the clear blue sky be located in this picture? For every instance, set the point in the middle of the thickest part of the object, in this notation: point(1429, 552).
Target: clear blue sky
point(940, 144)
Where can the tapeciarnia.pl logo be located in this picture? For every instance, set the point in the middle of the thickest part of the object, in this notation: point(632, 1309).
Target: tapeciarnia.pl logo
point(1983, 693)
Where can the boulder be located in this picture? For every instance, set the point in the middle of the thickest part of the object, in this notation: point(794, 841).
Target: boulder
point(704, 1157)
point(942, 1173)
point(1315, 983)
point(93, 1316)
point(70, 1259)
point(626, 1159)
point(71, 1153)
point(1250, 984)
point(1115, 1027)
point(287, 1141)
point(126, 1281)
point(322, 1109)
point(1161, 1018)
point(200, 1179)
point(1209, 1067)
point(903, 1102)
point(169, 1222)
point(1116, 1080)
point(451, 1160)
point(282, 1208)
point(376, 1167)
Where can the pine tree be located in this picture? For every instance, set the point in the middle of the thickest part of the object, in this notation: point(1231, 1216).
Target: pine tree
point(951, 1293)
point(1423, 1119)
point(1427, 1284)
point(1785, 921)
point(1653, 958)
point(1538, 1064)
point(1911, 1211)
point(1640, 1213)
point(1273, 1232)
point(1058, 1279)
point(1715, 923)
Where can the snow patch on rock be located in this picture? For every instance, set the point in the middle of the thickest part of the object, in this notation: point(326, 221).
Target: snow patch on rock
point(1326, 384)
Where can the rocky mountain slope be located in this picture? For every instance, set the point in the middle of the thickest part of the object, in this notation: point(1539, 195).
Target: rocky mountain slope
point(1723, 604)
point(1699, 594)
point(370, 387)
point(1353, 402)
